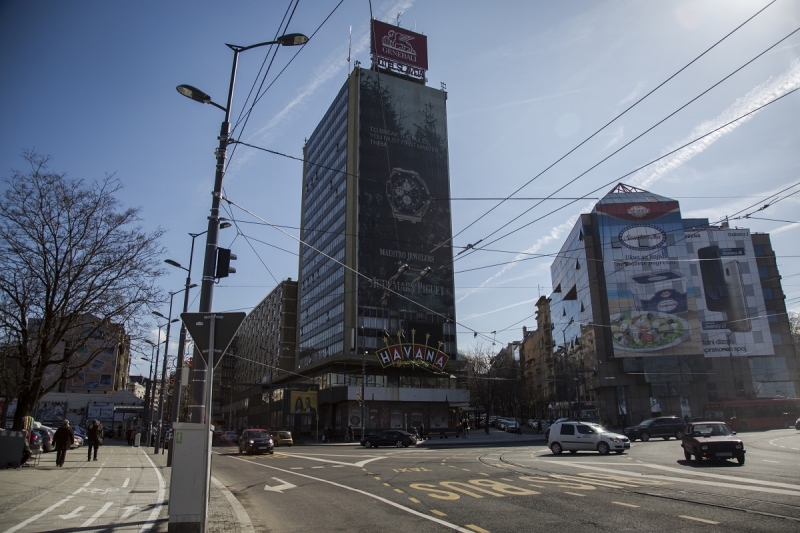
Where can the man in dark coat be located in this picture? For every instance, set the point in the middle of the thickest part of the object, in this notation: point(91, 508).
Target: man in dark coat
point(95, 435)
point(63, 440)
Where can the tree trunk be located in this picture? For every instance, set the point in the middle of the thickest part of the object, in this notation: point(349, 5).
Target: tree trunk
point(26, 401)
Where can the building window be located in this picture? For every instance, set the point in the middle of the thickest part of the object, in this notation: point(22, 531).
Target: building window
point(763, 272)
point(767, 293)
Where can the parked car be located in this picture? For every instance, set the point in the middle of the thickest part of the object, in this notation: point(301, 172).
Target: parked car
point(578, 436)
point(663, 426)
point(712, 440)
point(512, 426)
point(282, 438)
point(230, 437)
point(47, 439)
point(77, 441)
point(390, 437)
point(256, 441)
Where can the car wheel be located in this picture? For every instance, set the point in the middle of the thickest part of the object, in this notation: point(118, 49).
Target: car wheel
point(603, 448)
point(271, 452)
point(740, 460)
point(556, 448)
point(679, 434)
point(645, 436)
point(399, 444)
point(687, 455)
point(698, 458)
point(368, 444)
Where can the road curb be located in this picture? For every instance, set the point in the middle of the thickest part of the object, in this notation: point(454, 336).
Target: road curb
point(243, 519)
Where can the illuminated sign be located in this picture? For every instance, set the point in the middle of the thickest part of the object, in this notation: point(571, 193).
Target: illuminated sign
point(412, 354)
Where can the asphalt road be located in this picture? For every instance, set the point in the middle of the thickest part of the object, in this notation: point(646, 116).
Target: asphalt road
point(517, 488)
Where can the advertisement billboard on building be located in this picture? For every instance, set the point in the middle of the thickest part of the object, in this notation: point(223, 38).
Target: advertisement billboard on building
point(97, 375)
point(651, 301)
point(730, 302)
point(399, 45)
point(403, 197)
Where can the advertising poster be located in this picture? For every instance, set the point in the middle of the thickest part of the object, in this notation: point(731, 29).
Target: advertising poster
point(51, 411)
point(304, 402)
point(404, 213)
point(730, 302)
point(355, 417)
point(650, 295)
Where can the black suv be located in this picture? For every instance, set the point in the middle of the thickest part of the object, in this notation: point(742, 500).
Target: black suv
point(663, 426)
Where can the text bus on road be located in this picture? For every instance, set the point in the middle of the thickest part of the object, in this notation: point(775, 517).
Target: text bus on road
point(755, 414)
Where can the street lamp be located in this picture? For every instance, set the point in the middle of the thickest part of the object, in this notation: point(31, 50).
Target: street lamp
point(178, 389)
point(212, 235)
point(164, 368)
point(152, 398)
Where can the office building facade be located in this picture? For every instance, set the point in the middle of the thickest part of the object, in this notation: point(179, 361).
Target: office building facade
point(656, 314)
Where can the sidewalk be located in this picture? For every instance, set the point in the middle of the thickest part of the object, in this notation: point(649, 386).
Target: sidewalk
point(126, 489)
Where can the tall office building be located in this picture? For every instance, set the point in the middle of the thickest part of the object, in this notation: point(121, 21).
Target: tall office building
point(653, 313)
point(376, 279)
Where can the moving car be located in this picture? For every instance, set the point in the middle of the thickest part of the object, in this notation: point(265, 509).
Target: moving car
point(663, 426)
point(256, 441)
point(390, 437)
point(282, 438)
point(230, 437)
point(712, 440)
point(579, 436)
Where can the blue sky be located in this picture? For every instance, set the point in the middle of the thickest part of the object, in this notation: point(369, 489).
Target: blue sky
point(92, 84)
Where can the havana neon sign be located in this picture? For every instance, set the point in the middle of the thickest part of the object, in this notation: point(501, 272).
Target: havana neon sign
point(411, 354)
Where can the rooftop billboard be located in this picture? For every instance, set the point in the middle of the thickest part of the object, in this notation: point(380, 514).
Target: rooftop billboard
point(399, 45)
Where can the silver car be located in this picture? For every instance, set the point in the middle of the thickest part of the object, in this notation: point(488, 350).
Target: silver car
point(579, 436)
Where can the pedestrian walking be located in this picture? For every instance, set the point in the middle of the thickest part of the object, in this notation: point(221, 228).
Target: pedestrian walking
point(63, 439)
point(422, 431)
point(352, 434)
point(129, 434)
point(539, 427)
point(95, 435)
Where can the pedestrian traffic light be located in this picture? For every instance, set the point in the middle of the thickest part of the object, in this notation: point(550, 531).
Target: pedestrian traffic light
point(224, 258)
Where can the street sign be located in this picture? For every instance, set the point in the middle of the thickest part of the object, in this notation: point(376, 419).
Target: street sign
point(225, 327)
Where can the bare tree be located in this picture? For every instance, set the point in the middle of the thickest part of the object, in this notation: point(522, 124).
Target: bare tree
point(76, 274)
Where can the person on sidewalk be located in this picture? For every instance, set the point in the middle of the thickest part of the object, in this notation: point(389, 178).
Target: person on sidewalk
point(63, 439)
point(95, 435)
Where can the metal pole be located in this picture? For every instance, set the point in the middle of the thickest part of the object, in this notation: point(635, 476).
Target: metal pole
point(163, 378)
point(146, 417)
point(207, 404)
point(363, 397)
point(200, 379)
point(153, 392)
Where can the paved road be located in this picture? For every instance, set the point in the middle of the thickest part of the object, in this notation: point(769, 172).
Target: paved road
point(510, 485)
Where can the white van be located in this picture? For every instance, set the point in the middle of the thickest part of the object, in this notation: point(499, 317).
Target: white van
point(580, 436)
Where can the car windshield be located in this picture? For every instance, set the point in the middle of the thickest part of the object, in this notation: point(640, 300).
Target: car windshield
point(646, 421)
point(711, 430)
point(258, 435)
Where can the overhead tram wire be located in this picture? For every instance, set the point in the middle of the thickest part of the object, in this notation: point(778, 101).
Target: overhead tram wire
point(645, 132)
point(618, 179)
point(615, 118)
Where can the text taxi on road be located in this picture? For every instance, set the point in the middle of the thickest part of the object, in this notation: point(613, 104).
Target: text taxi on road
point(580, 436)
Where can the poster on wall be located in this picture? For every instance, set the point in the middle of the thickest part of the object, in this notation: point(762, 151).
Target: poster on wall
point(730, 300)
point(99, 374)
point(304, 402)
point(404, 215)
point(651, 301)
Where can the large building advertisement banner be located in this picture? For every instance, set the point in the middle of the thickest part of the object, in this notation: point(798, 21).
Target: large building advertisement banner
point(404, 191)
point(730, 302)
point(650, 296)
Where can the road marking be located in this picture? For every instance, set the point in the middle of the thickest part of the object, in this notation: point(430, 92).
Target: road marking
point(575, 494)
point(317, 467)
point(483, 473)
point(466, 470)
point(148, 525)
point(400, 491)
point(359, 464)
point(438, 513)
point(698, 519)
point(377, 478)
point(338, 466)
point(396, 505)
point(128, 511)
point(279, 488)
point(125, 484)
point(41, 514)
point(73, 514)
point(625, 504)
point(506, 479)
point(296, 468)
point(386, 485)
point(768, 461)
point(473, 527)
point(414, 500)
point(98, 514)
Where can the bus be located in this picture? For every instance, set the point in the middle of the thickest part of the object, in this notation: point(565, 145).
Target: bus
point(755, 414)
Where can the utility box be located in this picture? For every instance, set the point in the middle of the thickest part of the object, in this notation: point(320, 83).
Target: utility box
point(137, 439)
point(187, 506)
point(11, 444)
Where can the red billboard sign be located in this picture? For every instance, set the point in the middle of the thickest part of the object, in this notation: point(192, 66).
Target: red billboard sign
point(399, 45)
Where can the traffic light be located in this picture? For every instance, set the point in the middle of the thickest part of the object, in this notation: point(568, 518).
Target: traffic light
point(224, 258)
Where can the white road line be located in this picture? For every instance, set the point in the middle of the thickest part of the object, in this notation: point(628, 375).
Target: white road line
point(37, 516)
point(148, 525)
point(768, 461)
point(244, 525)
point(364, 493)
point(703, 520)
point(98, 514)
point(127, 480)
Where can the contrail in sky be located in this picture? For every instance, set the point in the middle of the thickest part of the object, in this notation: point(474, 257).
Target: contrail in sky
point(766, 92)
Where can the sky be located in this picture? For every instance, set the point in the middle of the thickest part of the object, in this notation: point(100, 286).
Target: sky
point(92, 85)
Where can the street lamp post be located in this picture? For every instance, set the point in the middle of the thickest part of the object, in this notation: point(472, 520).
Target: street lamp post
point(212, 233)
point(157, 347)
point(178, 389)
point(147, 406)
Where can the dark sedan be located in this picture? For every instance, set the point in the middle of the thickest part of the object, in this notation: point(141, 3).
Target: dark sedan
point(256, 441)
point(390, 437)
point(712, 440)
point(663, 426)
